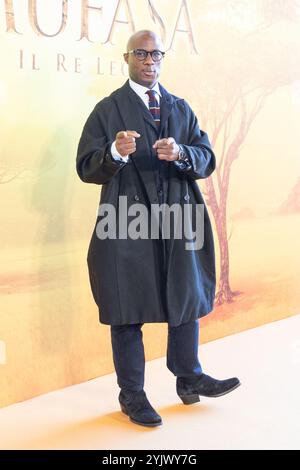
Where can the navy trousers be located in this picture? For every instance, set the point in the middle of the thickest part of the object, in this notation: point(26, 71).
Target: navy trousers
point(129, 356)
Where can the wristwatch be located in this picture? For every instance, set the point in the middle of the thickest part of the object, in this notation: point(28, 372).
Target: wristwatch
point(182, 156)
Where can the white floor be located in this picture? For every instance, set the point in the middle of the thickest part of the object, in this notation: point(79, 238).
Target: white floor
point(264, 413)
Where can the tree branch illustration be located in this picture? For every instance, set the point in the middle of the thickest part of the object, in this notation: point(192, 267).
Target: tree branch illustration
point(234, 89)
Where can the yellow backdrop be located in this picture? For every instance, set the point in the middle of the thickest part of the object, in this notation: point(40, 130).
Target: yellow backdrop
point(238, 65)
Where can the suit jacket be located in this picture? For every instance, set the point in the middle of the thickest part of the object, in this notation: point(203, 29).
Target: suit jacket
point(148, 280)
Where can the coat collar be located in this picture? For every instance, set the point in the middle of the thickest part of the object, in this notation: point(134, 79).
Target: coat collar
point(166, 104)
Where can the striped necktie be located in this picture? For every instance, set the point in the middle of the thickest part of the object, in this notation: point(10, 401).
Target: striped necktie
point(154, 107)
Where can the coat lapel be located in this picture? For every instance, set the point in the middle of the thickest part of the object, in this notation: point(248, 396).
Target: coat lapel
point(166, 105)
point(147, 116)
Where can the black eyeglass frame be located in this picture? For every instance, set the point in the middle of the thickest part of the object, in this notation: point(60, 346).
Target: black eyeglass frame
point(133, 51)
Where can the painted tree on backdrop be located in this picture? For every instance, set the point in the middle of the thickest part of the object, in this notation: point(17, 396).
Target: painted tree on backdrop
point(239, 75)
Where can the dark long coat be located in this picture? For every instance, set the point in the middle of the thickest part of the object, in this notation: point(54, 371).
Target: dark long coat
point(135, 281)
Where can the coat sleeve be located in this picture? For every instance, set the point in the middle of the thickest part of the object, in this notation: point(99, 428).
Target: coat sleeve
point(94, 162)
point(201, 156)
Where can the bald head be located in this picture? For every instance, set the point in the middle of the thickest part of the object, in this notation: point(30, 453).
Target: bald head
point(145, 72)
point(142, 35)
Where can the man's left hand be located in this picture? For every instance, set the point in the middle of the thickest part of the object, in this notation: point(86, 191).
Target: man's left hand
point(167, 149)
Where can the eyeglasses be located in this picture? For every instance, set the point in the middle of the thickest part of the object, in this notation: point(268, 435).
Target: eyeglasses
point(141, 54)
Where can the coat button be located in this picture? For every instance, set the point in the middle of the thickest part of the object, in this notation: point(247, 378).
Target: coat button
point(186, 197)
point(136, 197)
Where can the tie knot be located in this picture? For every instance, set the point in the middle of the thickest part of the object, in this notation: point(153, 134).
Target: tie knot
point(151, 94)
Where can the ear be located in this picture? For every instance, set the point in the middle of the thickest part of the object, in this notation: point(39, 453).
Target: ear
point(125, 55)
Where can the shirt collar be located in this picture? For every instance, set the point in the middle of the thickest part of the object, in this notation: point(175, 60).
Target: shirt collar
point(141, 90)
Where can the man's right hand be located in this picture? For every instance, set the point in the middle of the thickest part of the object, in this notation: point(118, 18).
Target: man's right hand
point(125, 142)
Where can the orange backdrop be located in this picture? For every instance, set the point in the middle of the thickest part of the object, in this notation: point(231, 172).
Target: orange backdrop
point(238, 65)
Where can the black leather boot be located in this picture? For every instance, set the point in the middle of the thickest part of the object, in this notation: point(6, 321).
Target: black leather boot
point(139, 409)
point(189, 389)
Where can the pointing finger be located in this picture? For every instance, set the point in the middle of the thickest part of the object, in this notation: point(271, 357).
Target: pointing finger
point(133, 134)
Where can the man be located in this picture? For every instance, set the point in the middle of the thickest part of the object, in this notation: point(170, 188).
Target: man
point(144, 145)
